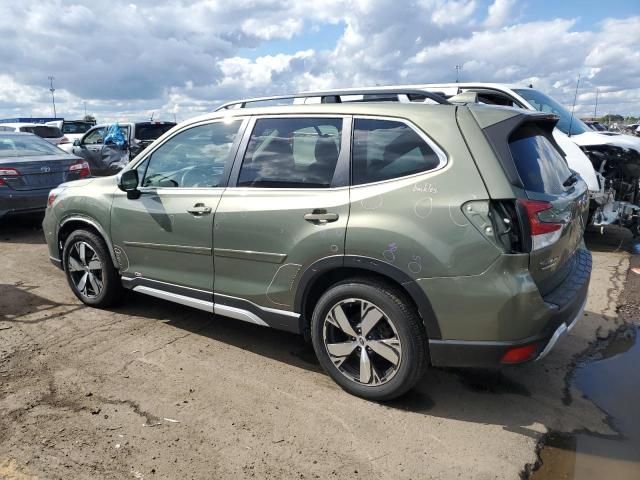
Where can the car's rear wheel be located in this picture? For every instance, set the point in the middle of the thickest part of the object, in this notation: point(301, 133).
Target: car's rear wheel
point(90, 271)
point(369, 338)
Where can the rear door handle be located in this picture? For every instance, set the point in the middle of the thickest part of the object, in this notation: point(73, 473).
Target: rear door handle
point(199, 209)
point(320, 215)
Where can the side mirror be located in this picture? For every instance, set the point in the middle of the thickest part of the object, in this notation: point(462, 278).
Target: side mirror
point(99, 140)
point(128, 182)
point(76, 142)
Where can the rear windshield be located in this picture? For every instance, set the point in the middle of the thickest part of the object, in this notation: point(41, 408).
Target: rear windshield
point(152, 131)
point(76, 127)
point(24, 146)
point(541, 166)
point(43, 131)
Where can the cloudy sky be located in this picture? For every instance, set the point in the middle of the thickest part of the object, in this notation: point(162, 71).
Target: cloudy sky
point(127, 59)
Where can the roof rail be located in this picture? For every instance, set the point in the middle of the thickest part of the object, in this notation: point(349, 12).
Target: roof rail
point(334, 96)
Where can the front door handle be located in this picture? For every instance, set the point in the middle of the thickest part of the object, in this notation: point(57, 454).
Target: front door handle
point(199, 209)
point(320, 215)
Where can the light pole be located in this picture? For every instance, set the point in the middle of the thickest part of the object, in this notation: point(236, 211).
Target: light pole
point(53, 98)
point(458, 68)
point(595, 110)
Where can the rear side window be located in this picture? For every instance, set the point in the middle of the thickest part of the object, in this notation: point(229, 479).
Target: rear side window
point(541, 167)
point(292, 153)
point(43, 131)
point(385, 149)
point(152, 131)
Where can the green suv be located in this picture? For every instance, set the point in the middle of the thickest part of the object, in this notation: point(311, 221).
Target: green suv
point(393, 236)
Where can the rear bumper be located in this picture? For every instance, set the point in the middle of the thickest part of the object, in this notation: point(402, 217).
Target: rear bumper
point(22, 201)
point(565, 307)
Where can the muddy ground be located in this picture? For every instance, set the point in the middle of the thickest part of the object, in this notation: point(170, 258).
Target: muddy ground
point(157, 390)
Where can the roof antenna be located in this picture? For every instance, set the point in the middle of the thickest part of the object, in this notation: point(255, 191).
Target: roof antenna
point(575, 97)
point(151, 119)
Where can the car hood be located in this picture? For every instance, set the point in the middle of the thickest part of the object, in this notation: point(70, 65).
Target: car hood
point(607, 138)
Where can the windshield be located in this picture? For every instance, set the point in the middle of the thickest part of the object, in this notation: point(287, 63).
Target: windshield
point(544, 103)
point(25, 146)
point(76, 127)
point(43, 131)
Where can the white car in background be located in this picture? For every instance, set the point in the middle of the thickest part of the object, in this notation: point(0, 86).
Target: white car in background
point(72, 129)
point(50, 133)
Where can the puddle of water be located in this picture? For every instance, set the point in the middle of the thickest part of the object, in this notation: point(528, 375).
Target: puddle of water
point(610, 378)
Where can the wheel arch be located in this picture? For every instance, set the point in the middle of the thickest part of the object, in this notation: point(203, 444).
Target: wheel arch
point(80, 222)
point(320, 275)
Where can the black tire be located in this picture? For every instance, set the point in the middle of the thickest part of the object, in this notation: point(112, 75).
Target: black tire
point(394, 305)
point(108, 277)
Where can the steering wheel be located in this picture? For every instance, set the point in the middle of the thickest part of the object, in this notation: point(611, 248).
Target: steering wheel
point(198, 177)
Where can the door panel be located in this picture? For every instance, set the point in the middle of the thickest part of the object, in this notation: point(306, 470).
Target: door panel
point(263, 242)
point(166, 235)
point(290, 209)
point(161, 240)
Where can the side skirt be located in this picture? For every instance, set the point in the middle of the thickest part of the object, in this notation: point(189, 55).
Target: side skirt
point(224, 305)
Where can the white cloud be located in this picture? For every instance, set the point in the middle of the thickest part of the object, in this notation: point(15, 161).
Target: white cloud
point(500, 11)
point(183, 58)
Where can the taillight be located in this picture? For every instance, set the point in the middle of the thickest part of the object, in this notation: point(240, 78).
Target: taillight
point(7, 172)
point(64, 140)
point(543, 233)
point(81, 167)
point(520, 354)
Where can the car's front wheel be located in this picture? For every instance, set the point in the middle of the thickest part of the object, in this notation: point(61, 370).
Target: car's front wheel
point(369, 339)
point(90, 271)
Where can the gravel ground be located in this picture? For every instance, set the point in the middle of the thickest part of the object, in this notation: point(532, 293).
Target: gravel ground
point(156, 390)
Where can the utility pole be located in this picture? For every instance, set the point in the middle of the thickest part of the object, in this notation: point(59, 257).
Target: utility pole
point(53, 98)
point(458, 68)
point(573, 107)
point(595, 110)
point(85, 108)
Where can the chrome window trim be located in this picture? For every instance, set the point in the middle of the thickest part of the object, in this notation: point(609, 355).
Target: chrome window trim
point(442, 156)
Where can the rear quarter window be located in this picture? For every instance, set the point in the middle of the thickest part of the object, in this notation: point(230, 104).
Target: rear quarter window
point(386, 149)
point(540, 165)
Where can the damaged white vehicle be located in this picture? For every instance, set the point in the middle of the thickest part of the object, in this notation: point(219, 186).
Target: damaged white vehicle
point(614, 157)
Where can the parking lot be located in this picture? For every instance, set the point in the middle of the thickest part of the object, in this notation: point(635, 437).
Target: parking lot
point(156, 390)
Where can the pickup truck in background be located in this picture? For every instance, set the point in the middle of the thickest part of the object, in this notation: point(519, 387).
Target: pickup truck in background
point(107, 159)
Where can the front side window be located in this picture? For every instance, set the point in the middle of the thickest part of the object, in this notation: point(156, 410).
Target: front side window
point(194, 158)
point(94, 137)
point(385, 149)
point(292, 153)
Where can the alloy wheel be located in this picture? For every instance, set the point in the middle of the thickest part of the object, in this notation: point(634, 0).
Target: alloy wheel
point(85, 269)
point(362, 342)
